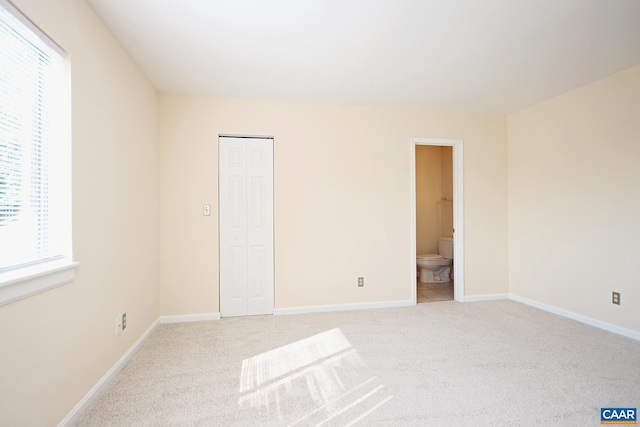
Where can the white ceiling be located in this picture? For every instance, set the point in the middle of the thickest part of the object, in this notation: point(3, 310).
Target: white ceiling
point(494, 56)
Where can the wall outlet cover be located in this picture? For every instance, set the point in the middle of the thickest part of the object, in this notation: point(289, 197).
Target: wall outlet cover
point(615, 298)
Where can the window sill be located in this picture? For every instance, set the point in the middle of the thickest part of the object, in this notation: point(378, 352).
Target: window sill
point(23, 282)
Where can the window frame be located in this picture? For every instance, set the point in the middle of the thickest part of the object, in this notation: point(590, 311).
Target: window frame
point(22, 281)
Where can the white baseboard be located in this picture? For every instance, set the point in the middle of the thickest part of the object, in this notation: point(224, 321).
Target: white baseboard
point(486, 297)
point(184, 318)
point(342, 307)
point(629, 333)
point(74, 415)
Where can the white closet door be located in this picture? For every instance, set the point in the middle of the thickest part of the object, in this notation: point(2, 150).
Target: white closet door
point(260, 225)
point(246, 226)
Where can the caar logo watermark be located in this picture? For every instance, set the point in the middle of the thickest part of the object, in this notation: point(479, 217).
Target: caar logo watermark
point(618, 415)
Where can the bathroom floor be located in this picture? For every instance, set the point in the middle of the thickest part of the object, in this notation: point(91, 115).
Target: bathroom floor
point(430, 292)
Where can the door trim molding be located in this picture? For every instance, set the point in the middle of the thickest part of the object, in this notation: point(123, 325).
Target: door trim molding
point(225, 135)
point(458, 212)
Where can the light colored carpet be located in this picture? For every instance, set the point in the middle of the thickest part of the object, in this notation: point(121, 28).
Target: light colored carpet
point(496, 363)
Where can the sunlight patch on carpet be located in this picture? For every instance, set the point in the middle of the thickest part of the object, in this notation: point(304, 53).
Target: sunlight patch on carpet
point(322, 373)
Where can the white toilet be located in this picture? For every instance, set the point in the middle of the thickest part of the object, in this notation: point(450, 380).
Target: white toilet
point(436, 268)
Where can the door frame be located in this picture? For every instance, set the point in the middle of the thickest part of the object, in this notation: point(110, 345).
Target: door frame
point(458, 212)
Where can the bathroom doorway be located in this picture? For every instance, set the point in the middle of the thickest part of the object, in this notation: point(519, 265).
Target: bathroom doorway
point(436, 179)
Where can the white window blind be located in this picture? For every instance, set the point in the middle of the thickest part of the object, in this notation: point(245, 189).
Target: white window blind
point(35, 143)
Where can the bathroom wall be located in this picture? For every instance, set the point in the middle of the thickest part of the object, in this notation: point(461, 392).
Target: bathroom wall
point(428, 194)
point(434, 181)
point(446, 206)
point(446, 161)
point(574, 203)
point(56, 345)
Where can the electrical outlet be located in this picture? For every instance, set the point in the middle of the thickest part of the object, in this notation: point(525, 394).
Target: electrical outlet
point(360, 282)
point(615, 297)
point(121, 323)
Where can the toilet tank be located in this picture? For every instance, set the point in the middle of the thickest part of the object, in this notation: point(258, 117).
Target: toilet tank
point(445, 247)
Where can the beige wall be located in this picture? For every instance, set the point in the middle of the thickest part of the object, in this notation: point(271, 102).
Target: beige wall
point(342, 199)
point(56, 345)
point(574, 202)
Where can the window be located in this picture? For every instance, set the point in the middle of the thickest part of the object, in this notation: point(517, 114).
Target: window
point(35, 159)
